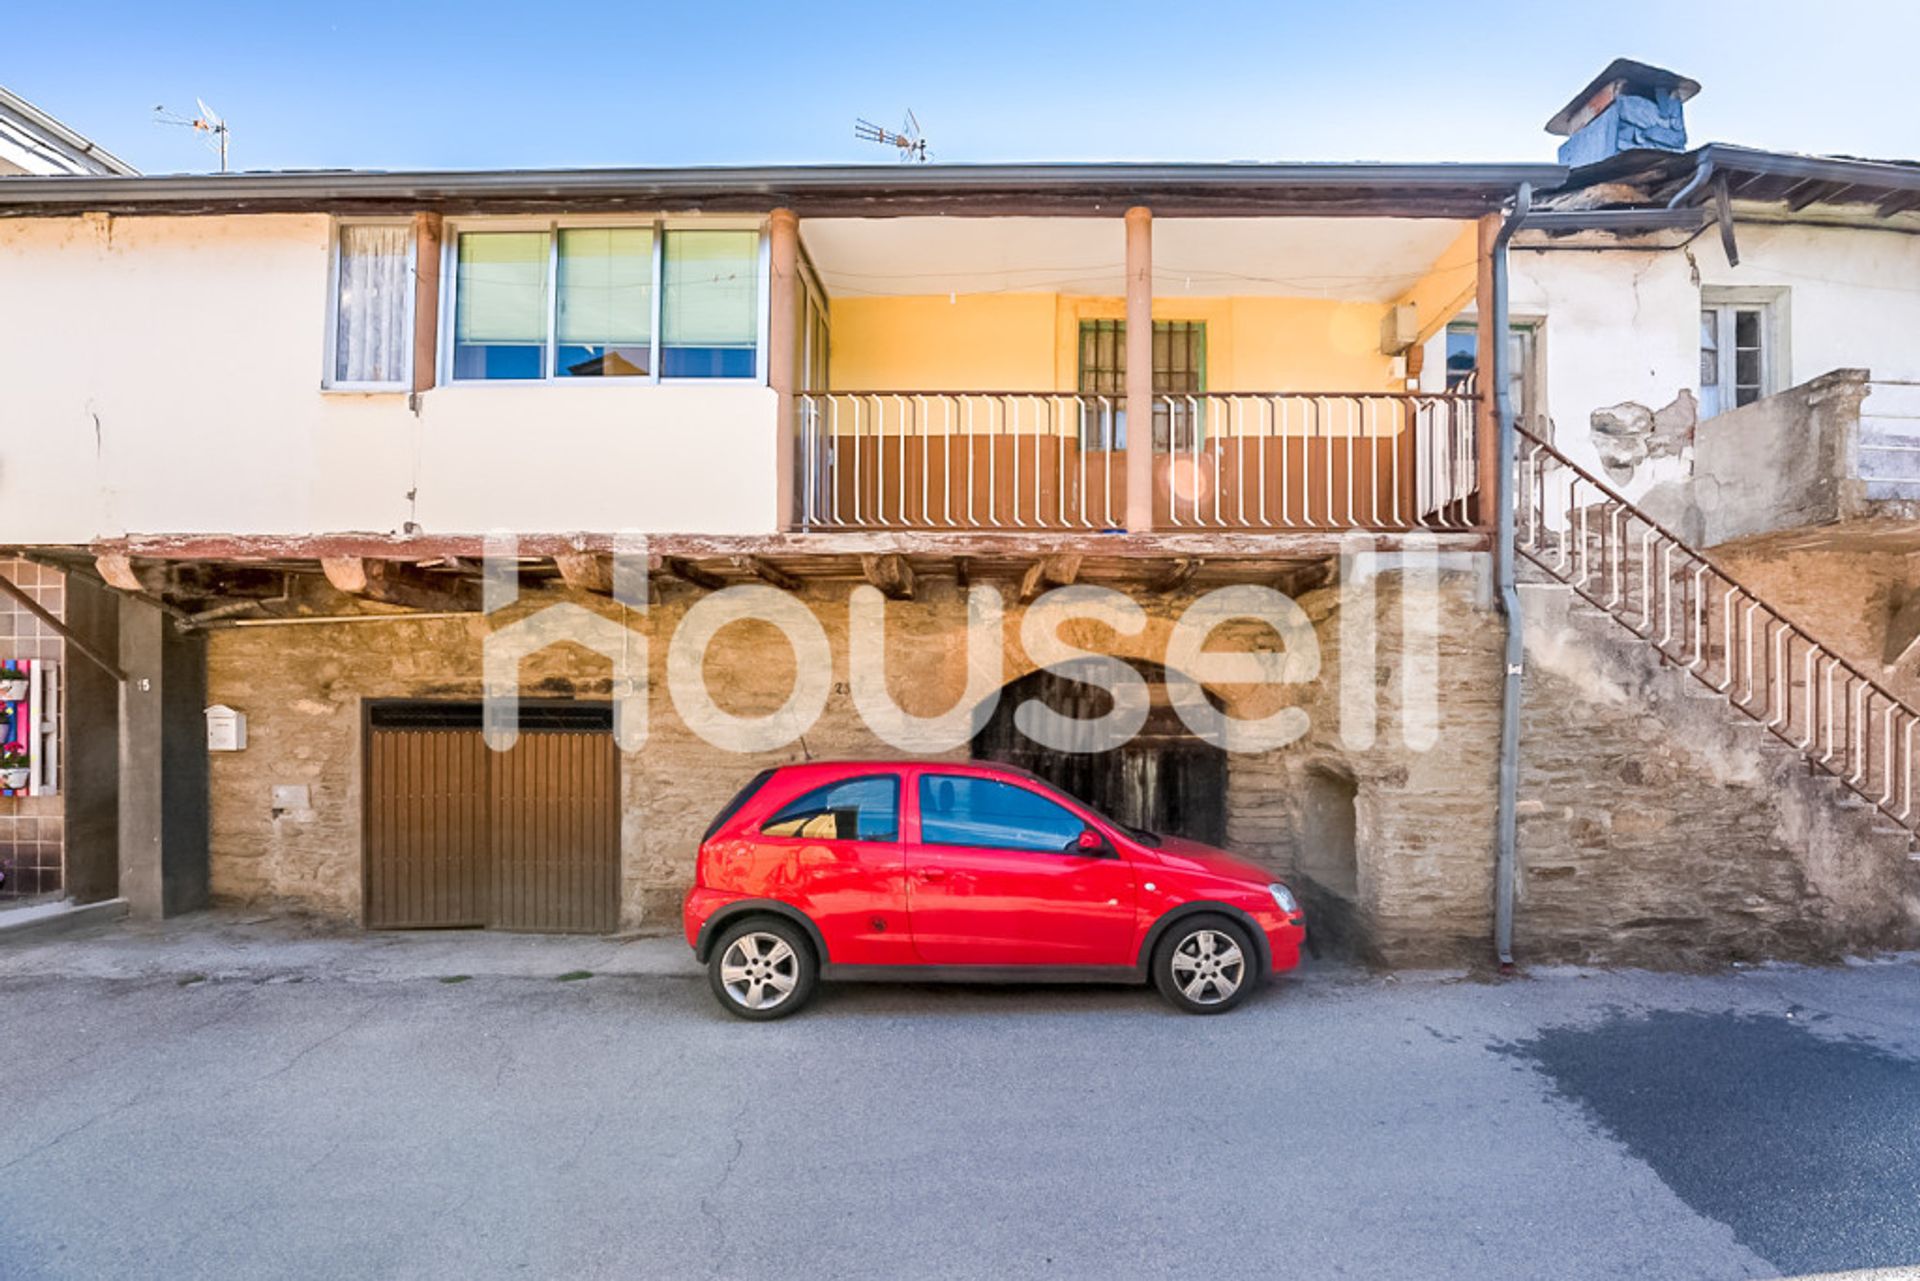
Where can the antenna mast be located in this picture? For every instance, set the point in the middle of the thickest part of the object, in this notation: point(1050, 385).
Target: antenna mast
point(909, 141)
point(217, 131)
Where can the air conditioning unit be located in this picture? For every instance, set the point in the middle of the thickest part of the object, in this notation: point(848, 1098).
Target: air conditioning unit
point(1399, 329)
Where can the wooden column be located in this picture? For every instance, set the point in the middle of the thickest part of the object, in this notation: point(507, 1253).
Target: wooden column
point(426, 299)
point(783, 338)
point(1487, 414)
point(1139, 370)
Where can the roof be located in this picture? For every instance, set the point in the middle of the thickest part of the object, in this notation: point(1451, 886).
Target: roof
point(1797, 180)
point(1412, 190)
point(44, 145)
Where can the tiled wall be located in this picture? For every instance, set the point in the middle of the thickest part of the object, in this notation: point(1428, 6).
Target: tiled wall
point(32, 828)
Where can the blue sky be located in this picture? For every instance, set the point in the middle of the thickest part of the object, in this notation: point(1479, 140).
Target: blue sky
point(489, 84)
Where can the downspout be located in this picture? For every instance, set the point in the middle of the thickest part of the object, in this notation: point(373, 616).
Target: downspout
point(1504, 441)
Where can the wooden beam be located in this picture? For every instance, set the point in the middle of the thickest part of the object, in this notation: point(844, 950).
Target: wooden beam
point(426, 300)
point(688, 572)
point(1487, 413)
point(891, 573)
point(1301, 579)
point(1059, 570)
point(1813, 193)
point(1177, 575)
point(118, 571)
point(1898, 202)
point(1139, 386)
point(394, 583)
point(783, 355)
point(768, 572)
point(1212, 544)
point(586, 572)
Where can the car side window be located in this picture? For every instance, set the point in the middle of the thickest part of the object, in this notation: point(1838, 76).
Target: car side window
point(853, 809)
point(959, 810)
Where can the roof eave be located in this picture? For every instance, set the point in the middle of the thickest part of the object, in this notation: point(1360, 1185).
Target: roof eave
point(876, 189)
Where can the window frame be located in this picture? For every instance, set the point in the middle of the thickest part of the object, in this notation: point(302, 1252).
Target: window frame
point(1775, 370)
point(1058, 799)
point(887, 776)
point(331, 343)
point(660, 225)
point(1113, 438)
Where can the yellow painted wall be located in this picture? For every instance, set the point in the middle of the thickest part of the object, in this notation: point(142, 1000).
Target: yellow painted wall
point(1030, 342)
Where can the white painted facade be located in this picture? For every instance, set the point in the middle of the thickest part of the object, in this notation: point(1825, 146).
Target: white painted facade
point(1615, 325)
point(167, 379)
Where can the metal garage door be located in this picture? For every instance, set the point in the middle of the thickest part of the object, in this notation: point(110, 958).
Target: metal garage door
point(457, 835)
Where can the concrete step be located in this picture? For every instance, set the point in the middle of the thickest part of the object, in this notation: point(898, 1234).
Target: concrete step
point(44, 920)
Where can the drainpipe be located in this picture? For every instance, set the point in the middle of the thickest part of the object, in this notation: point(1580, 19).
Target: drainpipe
point(1504, 439)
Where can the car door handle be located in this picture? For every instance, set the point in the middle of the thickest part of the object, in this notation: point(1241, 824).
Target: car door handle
point(931, 873)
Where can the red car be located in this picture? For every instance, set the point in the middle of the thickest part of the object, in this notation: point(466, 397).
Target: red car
point(924, 870)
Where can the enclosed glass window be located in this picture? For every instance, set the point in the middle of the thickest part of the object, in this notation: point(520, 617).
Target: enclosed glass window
point(855, 809)
point(373, 318)
point(500, 305)
point(710, 324)
point(1736, 366)
point(959, 810)
point(604, 308)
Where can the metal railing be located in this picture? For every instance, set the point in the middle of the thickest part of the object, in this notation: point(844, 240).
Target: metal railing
point(1584, 534)
point(1338, 460)
point(1043, 460)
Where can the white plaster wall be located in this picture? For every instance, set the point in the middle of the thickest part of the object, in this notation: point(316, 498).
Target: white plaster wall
point(163, 375)
point(1623, 325)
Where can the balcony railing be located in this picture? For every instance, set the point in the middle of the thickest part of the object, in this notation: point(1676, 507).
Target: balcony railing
point(1225, 461)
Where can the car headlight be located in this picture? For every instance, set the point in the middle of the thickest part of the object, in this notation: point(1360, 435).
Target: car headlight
point(1283, 898)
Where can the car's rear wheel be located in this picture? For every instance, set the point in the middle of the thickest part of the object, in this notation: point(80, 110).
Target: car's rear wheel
point(1205, 965)
point(762, 968)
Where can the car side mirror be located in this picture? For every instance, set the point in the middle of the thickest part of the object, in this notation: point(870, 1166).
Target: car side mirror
point(1089, 843)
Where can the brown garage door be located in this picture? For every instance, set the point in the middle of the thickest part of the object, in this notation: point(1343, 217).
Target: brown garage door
point(457, 835)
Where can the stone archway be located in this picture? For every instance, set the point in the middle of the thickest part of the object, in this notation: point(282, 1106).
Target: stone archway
point(1165, 779)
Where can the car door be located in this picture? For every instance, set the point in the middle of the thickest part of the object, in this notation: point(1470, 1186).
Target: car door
point(835, 853)
point(994, 878)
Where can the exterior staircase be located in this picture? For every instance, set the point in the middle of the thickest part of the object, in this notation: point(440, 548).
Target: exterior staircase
point(1737, 649)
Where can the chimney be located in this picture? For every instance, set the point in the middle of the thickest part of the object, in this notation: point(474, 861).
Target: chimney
point(1629, 107)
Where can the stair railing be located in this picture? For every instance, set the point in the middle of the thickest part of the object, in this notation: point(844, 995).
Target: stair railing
point(1581, 532)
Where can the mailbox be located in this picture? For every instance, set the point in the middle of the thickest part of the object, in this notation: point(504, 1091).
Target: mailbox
point(226, 729)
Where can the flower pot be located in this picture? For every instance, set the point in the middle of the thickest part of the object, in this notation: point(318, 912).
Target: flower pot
point(13, 689)
point(15, 780)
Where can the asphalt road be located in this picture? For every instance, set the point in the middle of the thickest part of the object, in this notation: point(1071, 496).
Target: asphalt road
point(295, 1119)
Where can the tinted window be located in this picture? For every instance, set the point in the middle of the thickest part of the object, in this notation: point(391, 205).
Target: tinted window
point(856, 809)
point(956, 810)
point(740, 798)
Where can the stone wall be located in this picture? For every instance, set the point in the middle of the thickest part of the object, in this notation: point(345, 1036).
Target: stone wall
point(1659, 826)
point(1655, 830)
point(1424, 824)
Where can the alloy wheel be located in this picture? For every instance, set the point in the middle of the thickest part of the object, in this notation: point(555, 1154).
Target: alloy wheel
point(1208, 967)
point(759, 971)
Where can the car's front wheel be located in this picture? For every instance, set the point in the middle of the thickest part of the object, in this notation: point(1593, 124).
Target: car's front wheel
point(1205, 965)
point(762, 968)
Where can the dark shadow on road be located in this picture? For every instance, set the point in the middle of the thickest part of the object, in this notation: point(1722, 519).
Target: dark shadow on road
point(1806, 1146)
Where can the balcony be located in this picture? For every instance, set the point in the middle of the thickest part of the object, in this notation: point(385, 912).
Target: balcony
point(973, 375)
point(1258, 461)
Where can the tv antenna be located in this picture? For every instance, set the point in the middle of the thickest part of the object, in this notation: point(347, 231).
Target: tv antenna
point(207, 122)
point(910, 142)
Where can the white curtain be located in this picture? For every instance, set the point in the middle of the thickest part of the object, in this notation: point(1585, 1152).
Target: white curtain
point(373, 330)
